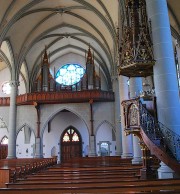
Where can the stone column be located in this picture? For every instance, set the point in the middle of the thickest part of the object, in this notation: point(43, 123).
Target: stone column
point(165, 78)
point(12, 121)
point(126, 140)
point(38, 138)
point(38, 148)
point(164, 172)
point(92, 140)
point(92, 146)
point(117, 116)
point(135, 86)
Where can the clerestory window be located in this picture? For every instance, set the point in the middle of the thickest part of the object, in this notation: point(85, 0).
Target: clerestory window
point(177, 67)
point(6, 88)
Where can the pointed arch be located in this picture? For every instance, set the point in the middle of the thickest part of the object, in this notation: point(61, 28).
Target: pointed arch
point(24, 73)
point(3, 123)
point(106, 122)
point(7, 54)
point(24, 125)
point(4, 147)
point(73, 134)
point(58, 111)
point(71, 144)
point(25, 142)
point(6, 47)
point(4, 140)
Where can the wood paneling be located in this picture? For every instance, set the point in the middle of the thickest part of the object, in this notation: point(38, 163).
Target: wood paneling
point(3, 151)
point(61, 97)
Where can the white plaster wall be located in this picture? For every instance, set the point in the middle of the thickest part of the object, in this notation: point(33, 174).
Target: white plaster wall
point(68, 58)
point(60, 122)
point(26, 115)
point(104, 85)
point(21, 87)
point(103, 111)
point(4, 77)
point(4, 114)
point(3, 132)
point(82, 110)
point(79, 117)
point(80, 120)
point(24, 150)
point(104, 133)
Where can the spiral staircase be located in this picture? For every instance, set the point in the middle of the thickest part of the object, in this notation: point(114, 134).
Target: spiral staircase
point(155, 138)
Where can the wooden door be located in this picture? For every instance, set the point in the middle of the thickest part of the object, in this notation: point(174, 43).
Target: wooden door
point(71, 144)
point(3, 151)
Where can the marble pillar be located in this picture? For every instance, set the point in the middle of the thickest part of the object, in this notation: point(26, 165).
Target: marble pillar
point(135, 86)
point(126, 140)
point(165, 78)
point(117, 116)
point(12, 121)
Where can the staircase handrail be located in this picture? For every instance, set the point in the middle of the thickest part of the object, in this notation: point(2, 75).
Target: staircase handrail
point(159, 134)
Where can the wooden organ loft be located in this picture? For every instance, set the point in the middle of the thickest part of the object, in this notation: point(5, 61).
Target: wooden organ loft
point(46, 90)
point(158, 143)
point(47, 83)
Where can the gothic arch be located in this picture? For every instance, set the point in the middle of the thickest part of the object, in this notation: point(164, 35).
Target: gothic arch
point(71, 144)
point(8, 57)
point(55, 113)
point(107, 122)
point(4, 137)
point(3, 123)
point(76, 130)
point(25, 124)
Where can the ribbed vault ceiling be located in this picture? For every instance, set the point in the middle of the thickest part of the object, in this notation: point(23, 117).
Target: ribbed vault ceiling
point(64, 26)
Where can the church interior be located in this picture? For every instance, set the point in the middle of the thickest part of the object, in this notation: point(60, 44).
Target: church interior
point(90, 86)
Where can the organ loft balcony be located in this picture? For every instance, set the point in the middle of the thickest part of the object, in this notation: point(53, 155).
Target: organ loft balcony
point(60, 97)
point(70, 84)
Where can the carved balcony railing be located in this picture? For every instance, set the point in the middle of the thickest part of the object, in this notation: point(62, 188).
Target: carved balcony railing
point(4, 101)
point(61, 97)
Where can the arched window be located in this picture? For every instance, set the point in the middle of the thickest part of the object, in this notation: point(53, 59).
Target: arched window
point(6, 88)
point(177, 66)
point(71, 136)
point(69, 74)
point(71, 144)
point(4, 140)
point(104, 148)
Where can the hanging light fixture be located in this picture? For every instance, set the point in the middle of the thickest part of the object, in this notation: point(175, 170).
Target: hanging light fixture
point(148, 92)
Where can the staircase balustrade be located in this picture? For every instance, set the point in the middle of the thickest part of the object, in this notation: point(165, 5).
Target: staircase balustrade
point(159, 134)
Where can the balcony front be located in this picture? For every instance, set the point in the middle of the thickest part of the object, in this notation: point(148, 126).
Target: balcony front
point(60, 97)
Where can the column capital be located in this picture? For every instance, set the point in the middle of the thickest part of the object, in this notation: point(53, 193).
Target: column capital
point(14, 83)
point(114, 78)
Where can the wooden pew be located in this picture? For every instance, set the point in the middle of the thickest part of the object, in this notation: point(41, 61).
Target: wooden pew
point(11, 169)
point(100, 183)
point(79, 190)
point(95, 176)
point(140, 186)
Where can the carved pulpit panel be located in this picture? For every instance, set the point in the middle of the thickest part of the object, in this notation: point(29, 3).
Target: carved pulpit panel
point(133, 115)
